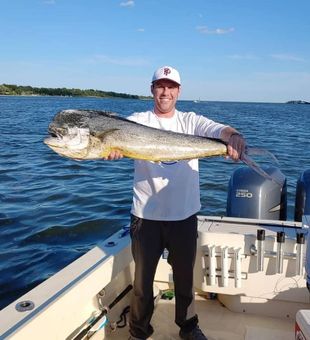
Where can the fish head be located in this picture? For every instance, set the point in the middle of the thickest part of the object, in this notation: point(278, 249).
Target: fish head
point(70, 142)
point(78, 134)
point(69, 134)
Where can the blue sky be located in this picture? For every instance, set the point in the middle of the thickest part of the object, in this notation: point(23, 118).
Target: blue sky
point(233, 50)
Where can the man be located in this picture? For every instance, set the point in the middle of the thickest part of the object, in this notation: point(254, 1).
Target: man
point(166, 199)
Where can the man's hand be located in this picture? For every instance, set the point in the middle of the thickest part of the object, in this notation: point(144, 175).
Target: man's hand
point(114, 155)
point(236, 146)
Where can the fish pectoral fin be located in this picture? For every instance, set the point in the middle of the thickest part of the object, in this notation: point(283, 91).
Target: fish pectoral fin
point(104, 134)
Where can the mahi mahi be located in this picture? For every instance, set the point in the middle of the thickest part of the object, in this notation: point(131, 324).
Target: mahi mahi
point(92, 134)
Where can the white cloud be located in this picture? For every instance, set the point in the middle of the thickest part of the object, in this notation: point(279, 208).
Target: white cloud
point(219, 31)
point(141, 30)
point(286, 57)
point(129, 3)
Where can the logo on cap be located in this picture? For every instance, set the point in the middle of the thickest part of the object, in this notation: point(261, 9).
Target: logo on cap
point(167, 71)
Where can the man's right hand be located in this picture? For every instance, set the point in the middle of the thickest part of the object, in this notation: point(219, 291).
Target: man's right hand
point(114, 155)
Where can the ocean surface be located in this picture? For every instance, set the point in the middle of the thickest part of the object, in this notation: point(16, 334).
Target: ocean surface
point(53, 210)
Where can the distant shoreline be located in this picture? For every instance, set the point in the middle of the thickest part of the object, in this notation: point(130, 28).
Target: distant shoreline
point(297, 102)
point(16, 90)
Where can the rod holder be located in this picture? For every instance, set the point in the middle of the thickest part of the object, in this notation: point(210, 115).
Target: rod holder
point(237, 266)
point(279, 257)
point(300, 242)
point(225, 266)
point(212, 265)
point(260, 249)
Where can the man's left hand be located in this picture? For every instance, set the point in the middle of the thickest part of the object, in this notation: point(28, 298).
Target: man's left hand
point(236, 146)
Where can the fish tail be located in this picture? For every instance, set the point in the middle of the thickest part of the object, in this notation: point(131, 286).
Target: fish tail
point(253, 165)
point(261, 152)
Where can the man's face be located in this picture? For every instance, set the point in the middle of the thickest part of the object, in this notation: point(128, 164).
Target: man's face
point(165, 94)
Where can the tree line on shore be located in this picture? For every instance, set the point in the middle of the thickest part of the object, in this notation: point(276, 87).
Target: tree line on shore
point(16, 90)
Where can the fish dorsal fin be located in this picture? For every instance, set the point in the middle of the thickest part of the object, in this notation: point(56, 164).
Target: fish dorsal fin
point(102, 135)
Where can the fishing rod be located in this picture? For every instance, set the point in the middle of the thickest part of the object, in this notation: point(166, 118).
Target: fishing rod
point(104, 312)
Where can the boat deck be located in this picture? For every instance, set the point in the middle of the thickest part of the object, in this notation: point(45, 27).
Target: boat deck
point(216, 321)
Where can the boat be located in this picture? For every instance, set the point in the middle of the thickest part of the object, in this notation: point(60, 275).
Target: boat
point(250, 280)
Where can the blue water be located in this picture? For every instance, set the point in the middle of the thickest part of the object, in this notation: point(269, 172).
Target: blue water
point(53, 210)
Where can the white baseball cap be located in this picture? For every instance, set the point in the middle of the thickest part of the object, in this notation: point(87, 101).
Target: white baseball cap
point(167, 72)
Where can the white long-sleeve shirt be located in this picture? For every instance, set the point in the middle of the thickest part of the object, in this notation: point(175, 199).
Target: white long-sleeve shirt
point(169, 191)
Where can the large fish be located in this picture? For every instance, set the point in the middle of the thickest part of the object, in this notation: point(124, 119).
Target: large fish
point(91, 134)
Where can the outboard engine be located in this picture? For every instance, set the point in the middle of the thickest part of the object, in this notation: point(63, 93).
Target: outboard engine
point(250, 195)
point(302, 200)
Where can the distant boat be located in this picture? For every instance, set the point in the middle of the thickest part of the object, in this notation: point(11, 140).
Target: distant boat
point(197, 101)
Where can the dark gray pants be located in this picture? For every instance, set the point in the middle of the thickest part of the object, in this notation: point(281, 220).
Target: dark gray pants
point(149, 239)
